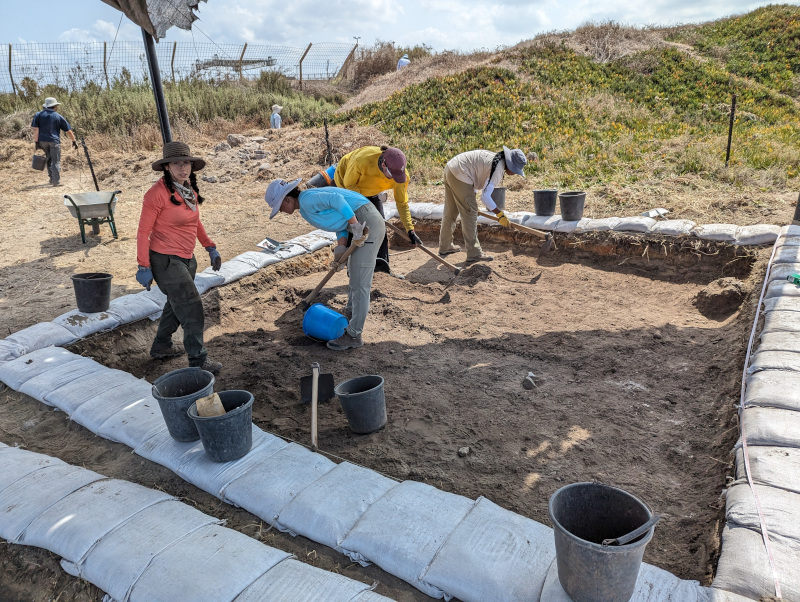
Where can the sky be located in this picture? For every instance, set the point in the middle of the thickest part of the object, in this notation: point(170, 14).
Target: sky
point(441, 24)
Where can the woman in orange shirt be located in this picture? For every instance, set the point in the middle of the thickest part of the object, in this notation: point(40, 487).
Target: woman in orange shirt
point(168, 230)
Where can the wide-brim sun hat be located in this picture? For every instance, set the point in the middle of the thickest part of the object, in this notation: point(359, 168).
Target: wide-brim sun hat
point(515, 160)
point(277, 108)
point(178, 151)
point(276, 192)
point(50, 102)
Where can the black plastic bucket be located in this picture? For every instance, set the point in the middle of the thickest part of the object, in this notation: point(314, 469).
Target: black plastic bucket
point(175, 392)
point(544, 201)
point(499, 197)
point(363, 403)
point(572, 205)
point(583, 515)
point(38, 162)
point(92, 291)
point(230, 436)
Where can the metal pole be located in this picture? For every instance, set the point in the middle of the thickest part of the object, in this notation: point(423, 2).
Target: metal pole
point(158, 91)
point(329, 157)
point(796, 221)
point(91, 168)
point(11, 75)
point(241, 58)
point(730, 130)
point(343, 69)
point(301, 65)
point(105, 64)
point(172, 62)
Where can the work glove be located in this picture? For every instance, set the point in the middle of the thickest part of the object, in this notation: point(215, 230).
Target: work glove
point(216, 260)
point(74, 145)
point(414, 238)
point(144, 276)
point(504, 221)
point(357, 230)
point(338, 253)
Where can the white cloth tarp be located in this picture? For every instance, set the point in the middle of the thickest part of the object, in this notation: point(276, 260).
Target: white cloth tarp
point(636, 223)
point(38, 336)
point(41, 385)
point(603, 224)
point(83, 324)
point(72, 395)
point(673, 227)
point(773, 466)
point(267, 487)
point(211, 563)
point(403, 531)
point(743, 567)
point(74, 524)
point(485, 555)
point(758, 234)
point(327, 509)
point(780, 509)
point(773, 390)
point(101, 406)
point(774, 360)
point(16, 372)
point(769, 426)
point(130, 308)
point(716, 232)
point(233, 270)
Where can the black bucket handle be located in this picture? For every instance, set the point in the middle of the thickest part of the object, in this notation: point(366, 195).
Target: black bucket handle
point(621, 541)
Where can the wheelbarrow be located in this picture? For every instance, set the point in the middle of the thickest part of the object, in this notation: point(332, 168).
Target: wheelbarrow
point(93, 209)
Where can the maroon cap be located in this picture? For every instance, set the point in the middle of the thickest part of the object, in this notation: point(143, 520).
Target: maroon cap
point(395, 162)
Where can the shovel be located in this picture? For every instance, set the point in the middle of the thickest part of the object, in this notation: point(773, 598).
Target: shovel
point(313, 389)
point(306, 303)
point(548, 243)
point(456, 270)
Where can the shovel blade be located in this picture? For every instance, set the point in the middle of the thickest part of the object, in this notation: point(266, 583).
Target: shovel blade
point(324, 388)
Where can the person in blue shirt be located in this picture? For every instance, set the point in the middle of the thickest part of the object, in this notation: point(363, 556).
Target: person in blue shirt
point(47, 127)
point(339, 210)
point(403, 62)
point(275, 118)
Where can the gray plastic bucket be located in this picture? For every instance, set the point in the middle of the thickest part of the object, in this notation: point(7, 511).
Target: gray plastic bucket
point(92, 291)
point(230, 436)
point(544, 201)
point(175, 392)
point(363, 403)
point(499, 197)
point(572, 205)
point(583, 515)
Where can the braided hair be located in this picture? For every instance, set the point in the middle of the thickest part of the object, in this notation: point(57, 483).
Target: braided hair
point(171, 187)
point(495, 162)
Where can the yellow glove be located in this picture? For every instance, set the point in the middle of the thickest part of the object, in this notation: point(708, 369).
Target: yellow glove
point(504, 221)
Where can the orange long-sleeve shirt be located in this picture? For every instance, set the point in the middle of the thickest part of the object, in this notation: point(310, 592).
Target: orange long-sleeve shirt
point(167, 228)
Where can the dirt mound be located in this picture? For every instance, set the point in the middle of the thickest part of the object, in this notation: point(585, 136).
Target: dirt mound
point(721, 298)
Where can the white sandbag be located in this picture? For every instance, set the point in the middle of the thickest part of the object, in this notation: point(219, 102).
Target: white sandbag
point(41, 385)
point(773, 466)
point(542, 222)
point(390, 210)
point(117, 560)
point(781, 271)
point(424, 210)
point(743, 567)
point(403, 531)
point(18, 463)
point(155, 295)
point(327, 509)
point(268, 486)
point(74, 524)
point(15, 372)
point(758, 234)
point(162, 449)
point(134, 424)
point(770, 426)
point(780, 509)
point(27, 497)
point(368, 596)
point(84, 324)
point(636, 223)
point(211, 563)
point(131, 308)
point(331, 236)
point(787, 254)
point(774, 360)
point(101, 406)
point(314, 241)
point(43, 334)
point(773, 390)
point(70, 396)
point(257, 259)
point(782, 289)
point(673, 227)
point(233, 270)
point(294, 581)
point(567, 226)
point(716, 232)
point(781, 321)
point(790, 231)
point(782, 303)
point(204, 281)
point(493, 554)
point(518, 217)
point(9, 351)
point(599, 225)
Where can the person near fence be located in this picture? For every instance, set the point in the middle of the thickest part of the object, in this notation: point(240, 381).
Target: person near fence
point(464, 175)
point(47, 126)
point(275, 118)
point(169, 227)
point(403, 62)
point(344, 212)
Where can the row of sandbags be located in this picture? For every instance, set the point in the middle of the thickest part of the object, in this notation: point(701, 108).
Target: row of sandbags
point(137, 543)
point(770, 422)
point(443, 544)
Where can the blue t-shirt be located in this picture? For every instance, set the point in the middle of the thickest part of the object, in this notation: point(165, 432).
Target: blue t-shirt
point(50, 125)
point(275, 121)
point(329, 208)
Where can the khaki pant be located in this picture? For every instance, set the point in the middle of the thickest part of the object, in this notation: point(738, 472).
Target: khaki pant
point(459, 201)
point(361, 265)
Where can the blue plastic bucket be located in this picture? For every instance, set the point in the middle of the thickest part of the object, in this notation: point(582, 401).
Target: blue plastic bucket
point(321, 322)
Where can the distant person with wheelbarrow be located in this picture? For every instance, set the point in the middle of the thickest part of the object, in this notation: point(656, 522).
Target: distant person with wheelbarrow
point(343, 212)
point(371, 170)
point(169, 227)
point(464, 175)
point(47, 127)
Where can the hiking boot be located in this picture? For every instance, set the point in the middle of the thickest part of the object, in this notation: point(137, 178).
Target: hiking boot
point(209, 366)
point(450, 251)
point(481, 257)
point(346, 341)
point(160, 352)
point(381, 265)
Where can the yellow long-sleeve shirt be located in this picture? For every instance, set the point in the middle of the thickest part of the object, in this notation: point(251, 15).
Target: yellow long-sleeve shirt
point(359, 171)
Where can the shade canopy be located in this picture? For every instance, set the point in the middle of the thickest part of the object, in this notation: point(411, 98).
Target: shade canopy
point(157, 16)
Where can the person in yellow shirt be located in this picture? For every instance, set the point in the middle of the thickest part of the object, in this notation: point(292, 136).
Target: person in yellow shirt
point(371, 170)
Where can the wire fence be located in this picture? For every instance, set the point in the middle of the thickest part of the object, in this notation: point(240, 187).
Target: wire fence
point(73, 66)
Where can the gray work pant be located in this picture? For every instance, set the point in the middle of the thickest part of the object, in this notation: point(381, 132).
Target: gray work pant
point(361, 265)
point(52, 150)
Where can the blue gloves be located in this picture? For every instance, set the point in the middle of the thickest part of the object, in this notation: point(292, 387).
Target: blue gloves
point(144, 276)
point(216, 260)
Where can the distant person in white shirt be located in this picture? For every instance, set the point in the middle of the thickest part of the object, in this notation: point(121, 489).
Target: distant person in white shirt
point(403, 62)
point(275, 118)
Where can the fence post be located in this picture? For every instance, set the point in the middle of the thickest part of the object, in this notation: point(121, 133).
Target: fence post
point(343, 69)
point(172, 62)
point(11, 75)
point(105, 65)
point(301, 65)
point(241, 58)
point(730, 129)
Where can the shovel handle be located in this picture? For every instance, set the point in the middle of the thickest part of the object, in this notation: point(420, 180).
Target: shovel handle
point(314, 394)
point(336, 265)
point(520, 227)
point(447, 264)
